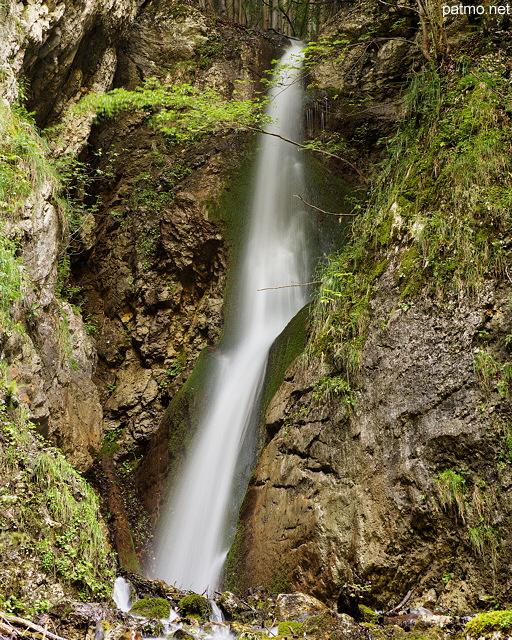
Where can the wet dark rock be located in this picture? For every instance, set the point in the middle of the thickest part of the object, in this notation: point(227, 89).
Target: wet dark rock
point(348, 602)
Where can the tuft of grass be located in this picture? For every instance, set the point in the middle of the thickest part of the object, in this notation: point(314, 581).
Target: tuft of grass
point(329, 386)
point(12, 277)
point(492, 373)
point(442, 198)
point(24, 161)
point(451, 488)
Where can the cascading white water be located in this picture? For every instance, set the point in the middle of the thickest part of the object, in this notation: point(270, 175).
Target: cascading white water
point(122, 594)
point(191, 546)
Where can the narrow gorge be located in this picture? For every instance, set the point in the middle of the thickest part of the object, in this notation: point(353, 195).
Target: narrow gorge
point(148, 265)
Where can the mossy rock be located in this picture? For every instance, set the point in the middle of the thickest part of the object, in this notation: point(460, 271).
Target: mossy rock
point(368, 615)
point(158, 608)
point(487, 623)
point(289, 628)
point(181, 634)
point(195, 606)
point(337, 626)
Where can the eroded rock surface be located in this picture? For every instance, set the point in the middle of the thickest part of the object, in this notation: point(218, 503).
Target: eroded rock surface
point(343, 494)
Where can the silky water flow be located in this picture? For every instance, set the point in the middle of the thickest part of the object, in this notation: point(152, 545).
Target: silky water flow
point(191, 542)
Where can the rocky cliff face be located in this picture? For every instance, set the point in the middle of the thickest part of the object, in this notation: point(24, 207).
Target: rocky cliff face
point(391, 470)
point(354, 494)
point(402, 481)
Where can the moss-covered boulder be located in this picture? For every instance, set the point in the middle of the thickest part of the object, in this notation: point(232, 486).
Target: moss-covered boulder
point(493, 623)
point(368, 615)
point(152, 608)
point(195, 606)
point(182, 634)
point(289, 628)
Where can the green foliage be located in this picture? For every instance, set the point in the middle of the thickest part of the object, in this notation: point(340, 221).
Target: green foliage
point(492, 373)
point(11, 277)
point(337, 386)
point(208, 49)
point(483, 537)
point(182, 112)
point(451, 487)
point(450, 173)
point(341, 314)
point(195, 606)
point(158, 608)
point(505, 454)
point(24, 163)
point(110, 441)
point(289, 628)
point(170, 373)
point(60, 514)
point(443, 196)
point(91, 325)
point(474, 505)
point(485, 624)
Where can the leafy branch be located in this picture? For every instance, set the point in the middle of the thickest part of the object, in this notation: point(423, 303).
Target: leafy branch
point(185, 113)
point(181, 111)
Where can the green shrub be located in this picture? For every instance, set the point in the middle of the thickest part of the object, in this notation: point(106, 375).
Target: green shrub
point(181, 111)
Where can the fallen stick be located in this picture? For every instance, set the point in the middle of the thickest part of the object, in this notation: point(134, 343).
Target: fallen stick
point(329, 213)
point(285, 286)
point(28, 625)
point(399, 606)
point(8, 629)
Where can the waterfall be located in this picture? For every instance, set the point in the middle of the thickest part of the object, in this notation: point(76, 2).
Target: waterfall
point(191, 546)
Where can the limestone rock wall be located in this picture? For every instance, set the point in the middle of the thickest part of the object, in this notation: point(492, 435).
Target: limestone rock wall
point(60, 51)
point(405, 485)
point(352, 495)
point(151, 265)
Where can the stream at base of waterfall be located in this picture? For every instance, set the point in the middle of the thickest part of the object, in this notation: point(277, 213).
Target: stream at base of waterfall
point(191, 544)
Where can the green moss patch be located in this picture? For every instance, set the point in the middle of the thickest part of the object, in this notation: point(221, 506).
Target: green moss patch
point(289, 628)
point(195, 606)
point(50, 515)
point(368, 615)
point(486, 623)
point(158, 608)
